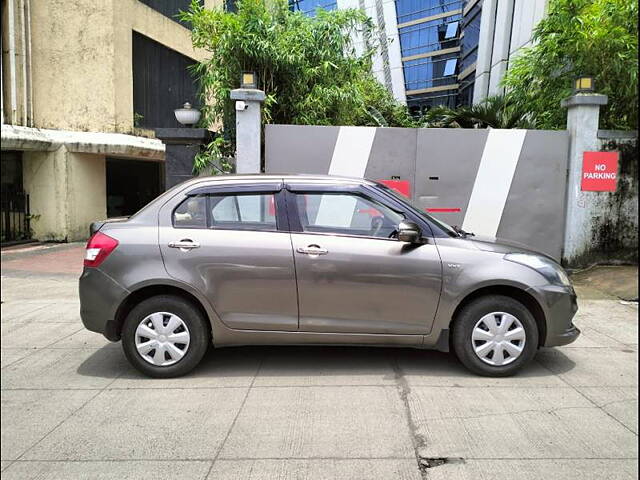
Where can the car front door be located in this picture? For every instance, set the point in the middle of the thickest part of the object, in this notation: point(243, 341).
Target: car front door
point(353, 275)
point(230, 244)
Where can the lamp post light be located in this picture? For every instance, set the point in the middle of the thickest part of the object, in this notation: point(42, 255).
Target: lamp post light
point(187, 115)
point(584, 84)
point(249, 80)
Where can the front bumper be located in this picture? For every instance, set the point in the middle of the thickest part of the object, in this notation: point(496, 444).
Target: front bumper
point(560, 305)
point(100, 297)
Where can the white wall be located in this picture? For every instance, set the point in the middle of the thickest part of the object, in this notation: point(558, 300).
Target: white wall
point(506, 27)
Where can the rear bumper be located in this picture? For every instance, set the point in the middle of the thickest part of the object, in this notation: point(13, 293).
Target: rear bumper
point(100, 297)
point(560, 306)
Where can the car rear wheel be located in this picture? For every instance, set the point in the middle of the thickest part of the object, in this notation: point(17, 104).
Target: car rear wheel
point(495, 336)
point(165, 336)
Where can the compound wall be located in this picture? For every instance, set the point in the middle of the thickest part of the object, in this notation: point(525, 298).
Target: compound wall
point(509, 184)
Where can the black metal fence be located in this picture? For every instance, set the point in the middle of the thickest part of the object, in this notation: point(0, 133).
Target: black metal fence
point(14, 217)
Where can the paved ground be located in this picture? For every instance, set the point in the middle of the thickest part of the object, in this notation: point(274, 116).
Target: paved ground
point(73, 408)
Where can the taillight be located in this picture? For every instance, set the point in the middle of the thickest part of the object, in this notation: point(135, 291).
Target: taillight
point(98, 249)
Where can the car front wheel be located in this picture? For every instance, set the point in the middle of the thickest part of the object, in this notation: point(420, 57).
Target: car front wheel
point(165, 336)
point(495, 336)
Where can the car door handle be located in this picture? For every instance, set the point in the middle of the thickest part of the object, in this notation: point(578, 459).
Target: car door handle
point(312, 250)
point(184, 244)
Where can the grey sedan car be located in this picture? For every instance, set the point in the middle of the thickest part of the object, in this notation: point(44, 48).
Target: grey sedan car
point(314, 260)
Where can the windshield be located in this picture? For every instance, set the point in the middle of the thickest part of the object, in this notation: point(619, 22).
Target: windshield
point(447, 229)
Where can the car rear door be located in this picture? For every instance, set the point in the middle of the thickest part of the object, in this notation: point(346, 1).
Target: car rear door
point(353, 278)
point(232, 244)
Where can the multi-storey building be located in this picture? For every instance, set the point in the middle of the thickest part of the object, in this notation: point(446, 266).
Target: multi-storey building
point(84, 84)
point(443, 52)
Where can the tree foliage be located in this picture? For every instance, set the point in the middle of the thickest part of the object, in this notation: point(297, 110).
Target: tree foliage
point(500, 111)
point(580, 37)
point(309, 67)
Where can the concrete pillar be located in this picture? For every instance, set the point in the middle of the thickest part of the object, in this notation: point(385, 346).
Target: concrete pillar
point(182, 145)
point(485, 50)
point(67, 191)
point(582, 123)
point(248, 129)
point(501, 45)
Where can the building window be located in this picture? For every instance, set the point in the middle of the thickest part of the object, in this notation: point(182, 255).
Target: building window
point(465, 94)
point(408, 10)
point(419, 104)
point(469, 42)
point(430, 36)
point(450, 67)
point(170, 8)
point(430, 72)
point(451, 31)
point(309, 7)
point(161, 83)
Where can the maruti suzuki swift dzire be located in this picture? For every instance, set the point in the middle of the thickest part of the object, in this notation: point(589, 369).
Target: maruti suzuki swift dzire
point(314, 260)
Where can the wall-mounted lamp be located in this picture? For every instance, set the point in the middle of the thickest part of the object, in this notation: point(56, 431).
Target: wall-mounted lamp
point(584, 84)
point(187, 115)
point(249, 80)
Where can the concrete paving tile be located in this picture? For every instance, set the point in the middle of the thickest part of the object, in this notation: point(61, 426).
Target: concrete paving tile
point(28, 415)
point(121, 470)
point(592, 367)
point(516, 423)
point(337, 422)
point(84, 338)
point(55, 313)
point(430, 368)
point(619, 402)
point(12, 311)
point(226, 367)
point(36, 288)
point(583, 469)
point(591, 338)
point(335, 469)
point(10, 355)
point(178, 424)
point(35, 335)
point(292, 366)
point(65, 368)
point(611, 318)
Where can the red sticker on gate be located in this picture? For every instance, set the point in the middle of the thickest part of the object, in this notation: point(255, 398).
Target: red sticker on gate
point(600, 171)
point(401, 186)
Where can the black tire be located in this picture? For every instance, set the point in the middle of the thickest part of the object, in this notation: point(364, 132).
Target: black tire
point(199, 341)
point(466, 320)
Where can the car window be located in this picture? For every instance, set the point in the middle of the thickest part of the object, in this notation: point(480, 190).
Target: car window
point(346, 213)
point(246, 212)
point(191, 213)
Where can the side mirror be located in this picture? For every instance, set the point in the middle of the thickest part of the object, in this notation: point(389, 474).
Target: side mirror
point(409, 232)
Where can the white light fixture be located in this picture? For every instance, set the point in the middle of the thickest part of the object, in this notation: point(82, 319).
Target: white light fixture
point(187, 115)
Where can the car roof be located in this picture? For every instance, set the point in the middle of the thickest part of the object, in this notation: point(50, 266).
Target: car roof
point(270, 177)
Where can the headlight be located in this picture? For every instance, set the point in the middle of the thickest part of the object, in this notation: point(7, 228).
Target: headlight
point(550, 270)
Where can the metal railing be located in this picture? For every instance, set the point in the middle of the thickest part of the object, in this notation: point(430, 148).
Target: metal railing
point(14, 217)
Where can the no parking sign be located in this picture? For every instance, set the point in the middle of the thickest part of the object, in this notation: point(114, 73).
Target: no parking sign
point(600, 171)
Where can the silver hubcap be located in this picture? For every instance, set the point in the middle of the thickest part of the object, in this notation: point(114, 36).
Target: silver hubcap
point(162, 339)
point(498, 338)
